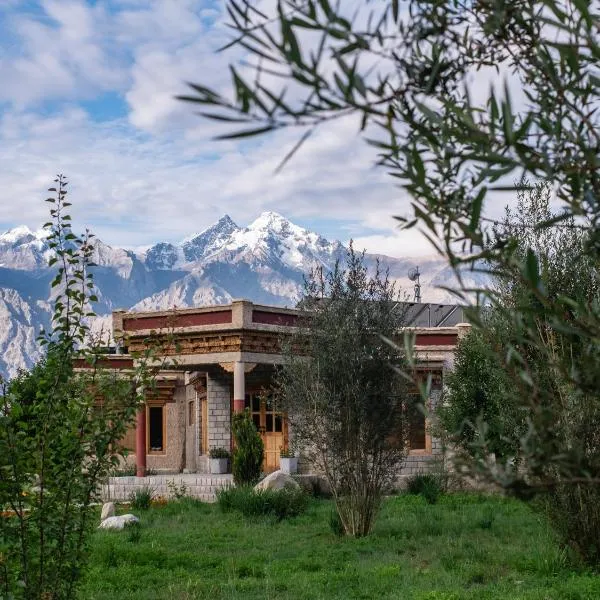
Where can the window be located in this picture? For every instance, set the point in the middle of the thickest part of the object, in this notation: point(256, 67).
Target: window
point(204, 425)
point(156, 429)
point(413, 431)
point(417, 436)
point(191, 412)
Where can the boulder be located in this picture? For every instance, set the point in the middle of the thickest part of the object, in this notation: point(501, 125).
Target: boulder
point(118, 522)
point(108, 510)
point(278, 480)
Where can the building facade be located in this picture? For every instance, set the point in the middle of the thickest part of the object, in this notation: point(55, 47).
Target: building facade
point(218, 360)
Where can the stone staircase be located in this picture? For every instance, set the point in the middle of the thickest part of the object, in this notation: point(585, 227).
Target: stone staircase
point(197, 485)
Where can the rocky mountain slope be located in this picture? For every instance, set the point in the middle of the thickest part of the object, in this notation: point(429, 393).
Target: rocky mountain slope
point(264, 262)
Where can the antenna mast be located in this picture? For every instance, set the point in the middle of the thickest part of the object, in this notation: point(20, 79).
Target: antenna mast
point(414, 275)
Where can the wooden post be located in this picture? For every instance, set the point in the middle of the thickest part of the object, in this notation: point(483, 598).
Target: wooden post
point(140, 443)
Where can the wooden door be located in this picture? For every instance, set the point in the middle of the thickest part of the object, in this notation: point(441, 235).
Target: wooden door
point(272, 427)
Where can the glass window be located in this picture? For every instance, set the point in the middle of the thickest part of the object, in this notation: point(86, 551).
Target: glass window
point(156, 432)
point(416, 424)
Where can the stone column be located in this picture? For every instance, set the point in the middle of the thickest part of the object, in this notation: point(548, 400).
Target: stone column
point(140, 443)
point(239, 386)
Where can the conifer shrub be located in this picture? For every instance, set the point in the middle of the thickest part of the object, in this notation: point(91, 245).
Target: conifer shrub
point(249, 450)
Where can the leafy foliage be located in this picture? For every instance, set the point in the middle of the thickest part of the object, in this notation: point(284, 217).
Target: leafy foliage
point(425, 484)
point(342, 387)
point(60, 427)
point(480, 395)
point(141, 498)
point(219, 453)
point(283, 504)
point(249, 450)
point(559, 416)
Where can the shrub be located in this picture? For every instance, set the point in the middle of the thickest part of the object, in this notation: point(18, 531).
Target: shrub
point(141, 499)
point(177, 491)
point(281, 504)
point(427, 485)
point(249, 450)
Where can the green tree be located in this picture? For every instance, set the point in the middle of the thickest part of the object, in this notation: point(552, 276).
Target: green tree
point(405, 70)
point(342, 388)
point(60, 428)
point(480, 400)
point(487, 410)
point(249, 450)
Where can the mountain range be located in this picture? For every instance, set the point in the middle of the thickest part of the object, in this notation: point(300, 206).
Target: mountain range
point(264, 262)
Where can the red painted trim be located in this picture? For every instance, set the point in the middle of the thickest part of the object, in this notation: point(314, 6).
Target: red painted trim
point(436, 339)
point(140, 443)
point(274, 318)
point(239, 405)
point(105, 363)
point(182, 320)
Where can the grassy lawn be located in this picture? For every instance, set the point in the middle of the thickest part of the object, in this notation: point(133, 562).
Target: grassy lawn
point(465, 547)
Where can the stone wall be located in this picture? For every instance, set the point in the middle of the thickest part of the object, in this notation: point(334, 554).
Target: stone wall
point(203, 487)
point(173, 457)
point(218, 393)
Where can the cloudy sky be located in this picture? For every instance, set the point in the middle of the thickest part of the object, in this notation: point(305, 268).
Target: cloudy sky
point(88, 90)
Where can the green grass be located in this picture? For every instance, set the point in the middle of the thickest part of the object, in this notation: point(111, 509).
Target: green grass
point(463, 547)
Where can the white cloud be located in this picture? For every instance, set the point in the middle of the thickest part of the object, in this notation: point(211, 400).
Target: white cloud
point(154, 174)
point(61, 52)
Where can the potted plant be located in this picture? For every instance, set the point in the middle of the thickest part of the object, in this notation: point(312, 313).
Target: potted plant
point(219, 460)
point(288, 461)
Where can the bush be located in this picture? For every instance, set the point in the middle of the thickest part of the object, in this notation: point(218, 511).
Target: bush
point(141, 499)
point(281, 504)
point(249, 450)
point(427, 485)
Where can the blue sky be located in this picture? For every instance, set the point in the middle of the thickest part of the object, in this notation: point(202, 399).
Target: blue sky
point(88, 90)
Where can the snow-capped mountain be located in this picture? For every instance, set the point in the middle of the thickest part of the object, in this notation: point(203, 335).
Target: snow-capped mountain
point(264, 262)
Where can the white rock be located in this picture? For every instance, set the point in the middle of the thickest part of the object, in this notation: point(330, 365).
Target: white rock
point(277, 480)
point(108, 510)
point(118, 522)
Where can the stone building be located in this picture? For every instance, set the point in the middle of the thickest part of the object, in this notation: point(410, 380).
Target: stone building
point(217, 360)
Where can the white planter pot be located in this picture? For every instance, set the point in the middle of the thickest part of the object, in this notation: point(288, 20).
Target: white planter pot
point(218, 466)
point(288, 465)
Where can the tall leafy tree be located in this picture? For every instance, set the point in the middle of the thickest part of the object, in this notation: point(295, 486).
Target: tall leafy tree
point(60, 429)
point(342, 388)
point(516, 411)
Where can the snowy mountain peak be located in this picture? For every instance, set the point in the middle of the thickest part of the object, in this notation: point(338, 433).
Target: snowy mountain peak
point(274, 222)
point(22, 248)
point(209, 241)
point(21, 234)
point(225, 225)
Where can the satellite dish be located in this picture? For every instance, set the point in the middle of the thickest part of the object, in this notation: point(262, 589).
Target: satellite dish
point(414, 275)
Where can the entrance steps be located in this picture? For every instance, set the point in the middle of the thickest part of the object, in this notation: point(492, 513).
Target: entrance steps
point(196, 485)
